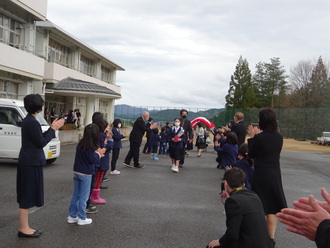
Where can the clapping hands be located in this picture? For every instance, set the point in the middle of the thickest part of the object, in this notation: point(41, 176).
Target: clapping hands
point(101, 151)
point(253, 130)
point(307, 215)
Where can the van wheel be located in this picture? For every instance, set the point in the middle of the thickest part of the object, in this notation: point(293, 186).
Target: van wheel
point(50, 161)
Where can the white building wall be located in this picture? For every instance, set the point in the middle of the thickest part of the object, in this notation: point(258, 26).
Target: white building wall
point(36, 7)
point(20, 62)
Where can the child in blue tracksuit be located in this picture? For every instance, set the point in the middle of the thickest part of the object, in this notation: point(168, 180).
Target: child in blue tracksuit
point(229, 150)
point(154, 143)
point(163, 141)
point(245, 163)
point(88, 154)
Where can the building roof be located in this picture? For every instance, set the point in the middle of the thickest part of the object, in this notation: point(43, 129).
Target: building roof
point(76, 85)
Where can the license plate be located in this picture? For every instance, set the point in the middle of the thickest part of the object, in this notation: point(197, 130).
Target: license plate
point(50, 154)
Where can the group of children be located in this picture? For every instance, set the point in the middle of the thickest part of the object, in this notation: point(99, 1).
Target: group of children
point(157, 142)
point(230, 155)
point(92, 159)
point(91, 163)
point(169, 141)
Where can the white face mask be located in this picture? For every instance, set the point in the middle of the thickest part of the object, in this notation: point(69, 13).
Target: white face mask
point(177, 124)
point(119, 125)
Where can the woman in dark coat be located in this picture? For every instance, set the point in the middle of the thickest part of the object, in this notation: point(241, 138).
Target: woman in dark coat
point(30, 184)
point(265, 146)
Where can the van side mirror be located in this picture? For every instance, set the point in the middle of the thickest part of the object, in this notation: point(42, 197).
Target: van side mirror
point(19, 123)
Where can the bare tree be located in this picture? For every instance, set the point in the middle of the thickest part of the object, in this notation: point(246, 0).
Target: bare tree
point(300, 79)
point(300, 75)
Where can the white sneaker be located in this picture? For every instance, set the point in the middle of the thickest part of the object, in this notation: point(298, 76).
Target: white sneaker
point(115, 172)
point(72, 220)
point(175, 168)
point(86, 221)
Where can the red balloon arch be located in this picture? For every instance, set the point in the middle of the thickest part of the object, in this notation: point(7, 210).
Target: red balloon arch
point(208, 123)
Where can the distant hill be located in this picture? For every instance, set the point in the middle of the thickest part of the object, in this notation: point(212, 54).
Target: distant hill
point(129, 112)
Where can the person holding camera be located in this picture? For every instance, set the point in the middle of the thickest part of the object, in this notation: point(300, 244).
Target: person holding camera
point(245, 218)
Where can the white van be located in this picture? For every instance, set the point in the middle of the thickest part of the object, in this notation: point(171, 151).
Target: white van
point(12, 113)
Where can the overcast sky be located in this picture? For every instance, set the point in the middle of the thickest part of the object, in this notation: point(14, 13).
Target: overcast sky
point(182, 53)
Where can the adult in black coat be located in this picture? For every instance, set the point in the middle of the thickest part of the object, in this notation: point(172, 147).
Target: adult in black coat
point(265, 147)
point(146, 148)
point(245, 219)
point(310, 218)
point(30, 185)
point(239, 128)
point(135, 140)
point(188, 132)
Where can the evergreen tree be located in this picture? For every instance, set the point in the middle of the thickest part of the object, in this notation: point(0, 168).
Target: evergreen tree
point(270, 79)
point(241, 91)
point(318, 88)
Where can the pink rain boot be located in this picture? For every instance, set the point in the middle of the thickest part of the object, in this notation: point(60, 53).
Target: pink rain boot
point(95, 198)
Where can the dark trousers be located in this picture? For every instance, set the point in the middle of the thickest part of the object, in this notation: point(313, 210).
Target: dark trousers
point(115, 156)
point(146, 148)
point(154, 149)
point(183, 153)
point(134, 152)
point(162, 148)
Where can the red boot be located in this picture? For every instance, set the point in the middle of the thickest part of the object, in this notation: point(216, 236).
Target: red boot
point(95, 197)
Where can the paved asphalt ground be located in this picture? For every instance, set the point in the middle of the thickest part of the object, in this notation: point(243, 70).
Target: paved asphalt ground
point(150, 207)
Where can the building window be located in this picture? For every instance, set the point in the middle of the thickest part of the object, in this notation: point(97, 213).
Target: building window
point(58, 53)
point(8, 89)
point(103, 106)
point(105, 74)
point(10, 31)
point(85, 65)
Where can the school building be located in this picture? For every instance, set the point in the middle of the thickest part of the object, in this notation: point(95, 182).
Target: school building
point(39, 57)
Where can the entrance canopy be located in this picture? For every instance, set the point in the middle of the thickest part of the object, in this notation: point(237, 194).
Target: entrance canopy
point(78, 86)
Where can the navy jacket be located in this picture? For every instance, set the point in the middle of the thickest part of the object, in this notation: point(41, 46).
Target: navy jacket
point(104, 161)
point(85, 161)
point(154, 139)
point(229, 154)
point(170, 136)
point(163, 137)
point(139, 128)
point(117, 137)
point(33, 142)
point(245, 221)
point(248, 170)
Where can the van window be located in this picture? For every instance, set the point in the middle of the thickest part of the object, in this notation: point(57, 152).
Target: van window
point(9, 116)
point(39, 117)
